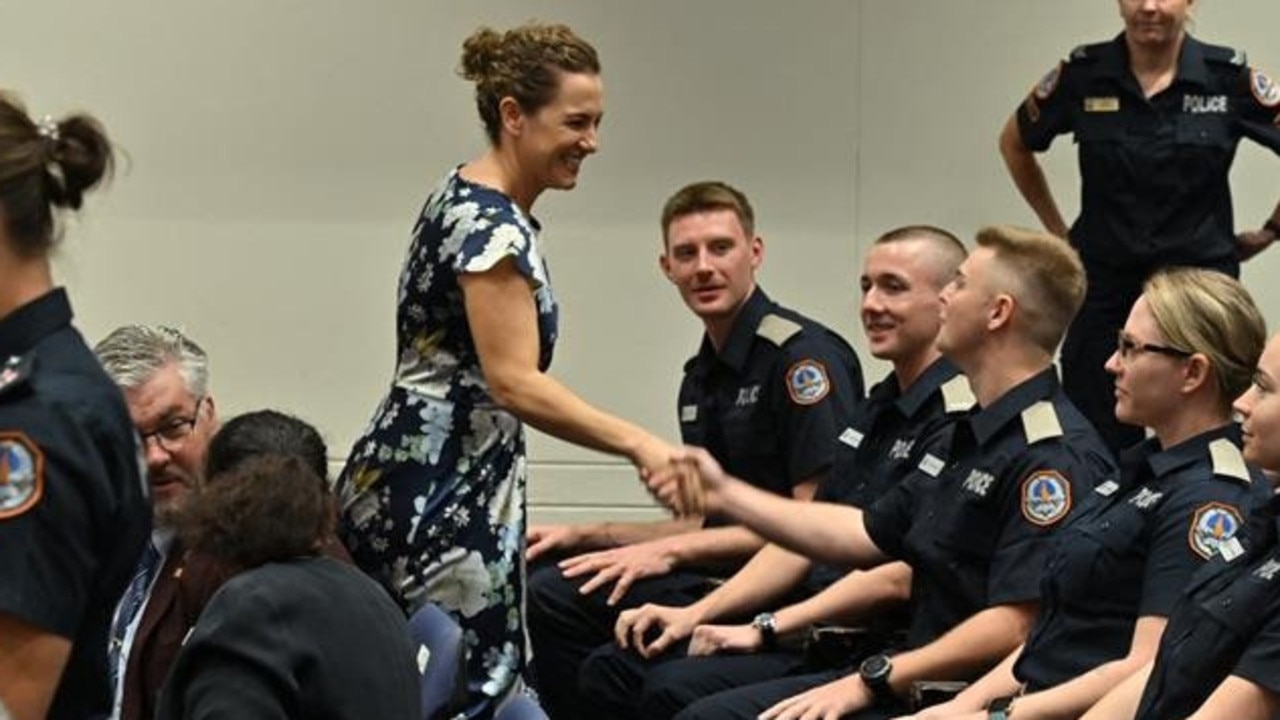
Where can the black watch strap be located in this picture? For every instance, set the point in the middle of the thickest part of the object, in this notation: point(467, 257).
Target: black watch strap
point(1000, 708)
point(767, 624)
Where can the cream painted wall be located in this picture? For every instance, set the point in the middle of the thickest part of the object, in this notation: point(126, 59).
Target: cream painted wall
point(279, 151)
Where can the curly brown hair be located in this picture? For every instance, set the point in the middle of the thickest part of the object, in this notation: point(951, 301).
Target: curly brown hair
point(265, 509)
point(523, 63)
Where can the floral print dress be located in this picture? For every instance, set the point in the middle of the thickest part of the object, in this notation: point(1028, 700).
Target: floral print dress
point(433, 494)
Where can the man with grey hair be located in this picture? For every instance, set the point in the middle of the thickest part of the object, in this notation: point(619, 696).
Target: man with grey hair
point(164, 376)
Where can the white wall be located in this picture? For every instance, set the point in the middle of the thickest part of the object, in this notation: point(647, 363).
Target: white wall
point(279, 151)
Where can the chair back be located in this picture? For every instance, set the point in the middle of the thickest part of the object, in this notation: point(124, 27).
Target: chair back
point(441, 660)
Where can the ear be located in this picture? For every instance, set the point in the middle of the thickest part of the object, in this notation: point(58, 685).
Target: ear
point(212, 409)
point(512, 116)
point(1197, 371)
point(665, 263)
point(757, 252)
point(1001, 311)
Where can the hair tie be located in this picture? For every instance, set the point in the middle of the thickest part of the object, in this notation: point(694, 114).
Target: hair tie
point(47, 127)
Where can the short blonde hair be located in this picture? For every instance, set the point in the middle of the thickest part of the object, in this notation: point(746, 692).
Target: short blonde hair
point(1047, 279)
point(1206, 312)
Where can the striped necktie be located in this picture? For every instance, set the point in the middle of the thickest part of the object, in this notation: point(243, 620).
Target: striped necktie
point(134, 596)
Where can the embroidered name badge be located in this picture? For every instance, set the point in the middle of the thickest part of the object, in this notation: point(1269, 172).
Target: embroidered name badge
point(1108, 488)
point(21, 474)
point(931, 465)
point(1101, 104)
point(1211, 525)
point(1046, 497)
point(1200, 104)
point(1265, 90)
point(851, 437)
point(807, 382)
point(688, 413)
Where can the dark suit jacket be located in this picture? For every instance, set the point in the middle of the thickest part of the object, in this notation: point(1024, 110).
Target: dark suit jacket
point(183, 587)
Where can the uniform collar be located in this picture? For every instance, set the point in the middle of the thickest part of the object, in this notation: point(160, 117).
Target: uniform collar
point(925, 386)
point(1113, 60)
point(26, 326)
point(1188, 452)
point(1008, 407)
point(742, 336)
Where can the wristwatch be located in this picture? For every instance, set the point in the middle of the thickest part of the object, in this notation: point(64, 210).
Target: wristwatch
point(1000, 709)
point(875, 674)
point(767, 624)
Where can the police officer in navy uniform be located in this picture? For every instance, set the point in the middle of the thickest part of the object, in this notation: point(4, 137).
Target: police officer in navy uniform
point(767, 393)
point(1220, 653)
point(1157, 116)
point(74, 515)
point(975, 521)
point(1182, 496)
point(904, 414)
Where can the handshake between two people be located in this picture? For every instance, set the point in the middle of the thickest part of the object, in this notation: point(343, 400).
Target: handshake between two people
point(690, 483)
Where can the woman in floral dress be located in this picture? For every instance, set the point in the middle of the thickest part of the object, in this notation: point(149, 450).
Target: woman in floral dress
point(433, 494)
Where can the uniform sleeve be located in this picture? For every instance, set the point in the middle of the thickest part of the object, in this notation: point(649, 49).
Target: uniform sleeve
point(241, 643)
point(50, 486)
point(1260, 662)
point(821, 385)
point(1048, 110)
point(889, 519)
point(494, 236)
point(1187, 534)
point(1044, 489)
point(1257, 103)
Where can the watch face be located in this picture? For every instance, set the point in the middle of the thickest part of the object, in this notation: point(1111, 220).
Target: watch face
point(874, 667)
point(1000, 705)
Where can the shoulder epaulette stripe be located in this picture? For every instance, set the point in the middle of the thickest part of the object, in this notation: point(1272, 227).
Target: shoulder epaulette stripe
point(1040, 422)
point(957, 396)
point(1228, 460)
point(777, 329)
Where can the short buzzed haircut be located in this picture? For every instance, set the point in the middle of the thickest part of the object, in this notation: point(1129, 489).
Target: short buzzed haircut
point(948, 252)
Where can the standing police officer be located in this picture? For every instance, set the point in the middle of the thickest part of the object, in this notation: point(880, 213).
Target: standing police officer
point(74, 514)
point(1157, 116)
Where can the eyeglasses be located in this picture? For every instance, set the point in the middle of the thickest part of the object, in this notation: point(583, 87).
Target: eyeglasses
point(1127, 347)
point(172, 435)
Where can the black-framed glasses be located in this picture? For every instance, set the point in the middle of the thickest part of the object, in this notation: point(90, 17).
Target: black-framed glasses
point(173, 434)
point(1127, 347)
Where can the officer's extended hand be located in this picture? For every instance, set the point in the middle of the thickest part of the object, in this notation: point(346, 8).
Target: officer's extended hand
point(692, 478)
point(675, 624)
point(713, 639)
point(620, 566)
point(825, 702)
point(543, 539)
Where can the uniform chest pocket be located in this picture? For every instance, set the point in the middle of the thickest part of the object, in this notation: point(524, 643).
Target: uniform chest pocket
point(968, 527)
point(1100, 127)
point(1118, 532)
point(1205, 130)
point(749, 432)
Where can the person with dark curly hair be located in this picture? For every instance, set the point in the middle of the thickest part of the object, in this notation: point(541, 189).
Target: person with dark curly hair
point(74, 513)
point(293, 634)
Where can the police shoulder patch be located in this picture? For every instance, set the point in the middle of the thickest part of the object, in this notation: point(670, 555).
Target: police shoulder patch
point(1265, 90)
point(1046, 497)
point(1044, 89)
point(21, 474)
point(807, 382)
point(777, 329)
point(1212, 524)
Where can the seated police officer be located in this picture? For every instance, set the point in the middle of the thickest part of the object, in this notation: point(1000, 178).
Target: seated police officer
point(767, 392)
point(904, 414)
point(975, 520)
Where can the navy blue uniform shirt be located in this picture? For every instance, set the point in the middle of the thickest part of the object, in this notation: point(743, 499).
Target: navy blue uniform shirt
point(74, 512)
point(1226, 623)
point(769, 405)
point(885, 439)
point(1134, 547)
point(1154, 172)
point(975, 520)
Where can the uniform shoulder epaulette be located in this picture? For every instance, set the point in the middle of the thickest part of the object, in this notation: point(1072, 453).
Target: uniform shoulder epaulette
point(1040, 422)
point(1085, 53)
point(1228, 461)
point(957, 396)
point(15, 373)
point(777, 329)
point(1225, 55)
